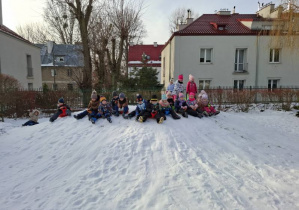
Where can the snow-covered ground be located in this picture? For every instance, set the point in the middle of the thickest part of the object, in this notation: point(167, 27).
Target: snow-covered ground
point(231, 161)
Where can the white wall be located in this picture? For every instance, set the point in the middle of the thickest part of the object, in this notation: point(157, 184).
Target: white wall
point(13, 55)
point(221, 71)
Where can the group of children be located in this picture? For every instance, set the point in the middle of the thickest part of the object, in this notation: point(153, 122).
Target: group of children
point(171, 103)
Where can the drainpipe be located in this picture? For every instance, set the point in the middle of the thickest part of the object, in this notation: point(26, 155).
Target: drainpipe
point(257, 63)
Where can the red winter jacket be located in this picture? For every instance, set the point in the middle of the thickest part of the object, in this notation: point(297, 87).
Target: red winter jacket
point(191, 87)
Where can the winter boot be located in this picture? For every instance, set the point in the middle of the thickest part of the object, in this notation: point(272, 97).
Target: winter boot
point(160, 121)
point(217, 112)
point(109, 119)
point(92, 120)
point(297, 115)
point(199, 115)
point(140, 119)
point(76, 117)
point(185, 114)
point(116, 114)
point(205, 113)
point(176, 117)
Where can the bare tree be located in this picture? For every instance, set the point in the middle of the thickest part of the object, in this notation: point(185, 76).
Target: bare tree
point(61, 22)
point(34, 32)
point(285, 29)
point(178, 16)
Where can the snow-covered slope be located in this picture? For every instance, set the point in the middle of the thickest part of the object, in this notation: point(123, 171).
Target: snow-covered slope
point(231, 161)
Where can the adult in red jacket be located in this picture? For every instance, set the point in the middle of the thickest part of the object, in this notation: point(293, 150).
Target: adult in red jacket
point(191, 86)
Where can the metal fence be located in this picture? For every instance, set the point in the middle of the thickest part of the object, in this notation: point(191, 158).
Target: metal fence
point(16, 103)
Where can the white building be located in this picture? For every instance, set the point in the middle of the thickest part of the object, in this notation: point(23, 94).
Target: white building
point(19, 58)
point(227, 49)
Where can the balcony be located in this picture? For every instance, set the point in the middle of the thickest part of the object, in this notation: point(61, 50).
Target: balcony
point(241, 68)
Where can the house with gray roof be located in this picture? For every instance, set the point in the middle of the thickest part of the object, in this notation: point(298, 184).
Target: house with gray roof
point(61, 64)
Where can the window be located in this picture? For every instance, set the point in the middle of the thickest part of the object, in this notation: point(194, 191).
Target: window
point(272, 84)
point(206, 55)
point(274, 56)
point(60, 59)
point(29, 66)
point(163, 66)
point(70, 87)
point(69, 73)
point(53, 72)
point(239, 84)
point(54, 86)
point(240, 60)
point(30, 86)
point(204, 84)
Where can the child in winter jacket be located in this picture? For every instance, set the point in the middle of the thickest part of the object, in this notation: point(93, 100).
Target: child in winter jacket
point(192, 106)
point(181, 105)
point(204, 105)
point(152, 111)
point(33, 118)
point(63, 110)
point(178, 87)
point(140, 108)
point(123, 105)
point(191, 86)
point(105, 110)
point(170, 87)
point(170, 100)
point(114, 103)
point(92, 108)
point(166, 108)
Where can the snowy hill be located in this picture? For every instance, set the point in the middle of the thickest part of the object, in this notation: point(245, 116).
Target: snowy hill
point(232, 161)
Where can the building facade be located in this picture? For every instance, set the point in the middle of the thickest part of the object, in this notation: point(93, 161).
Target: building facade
point(61, 65)
point(20, 58)
point(229, 50)
point(149, 54)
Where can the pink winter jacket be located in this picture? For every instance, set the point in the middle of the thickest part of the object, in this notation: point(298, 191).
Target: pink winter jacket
point(191, 87)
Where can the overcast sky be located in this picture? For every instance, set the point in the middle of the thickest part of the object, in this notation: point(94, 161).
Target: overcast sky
point(155, 14)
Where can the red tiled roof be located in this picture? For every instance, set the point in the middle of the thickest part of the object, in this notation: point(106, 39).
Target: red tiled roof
point(7, 31)
point(136, 52)
point(207, 25)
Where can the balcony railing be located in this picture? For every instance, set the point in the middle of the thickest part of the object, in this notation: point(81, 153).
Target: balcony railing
point(241, 67)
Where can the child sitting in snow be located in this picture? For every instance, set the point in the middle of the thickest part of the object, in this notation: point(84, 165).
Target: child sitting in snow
point(33, 118)
point(92, 108)
point(191, 86)
point(152, 111)
point(105, 110)
point(170, 100)
point(123, 105)
point(192, 106)
point(114, 103)
point(178, 87)
point(181, 106)
point(166, 108)
point(204, 105)
point(63, 110)
point(140, 108)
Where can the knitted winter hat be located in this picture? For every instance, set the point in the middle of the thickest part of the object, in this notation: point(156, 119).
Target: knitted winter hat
point(181, 95)
point(94, 95)
point(180, 76)
point(168, 93)
point(201, 93)
point(103, 99)
point(164, 97)
point(121, 95)
point(204, 96)
point(139, 97)
point(191, 94)
point(191, 78)
point(114, 93)
point(154, 98)
point(171, 80)
point(61, 100)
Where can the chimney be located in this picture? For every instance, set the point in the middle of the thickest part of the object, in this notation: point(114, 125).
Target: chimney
point(234, 10)
point(189, 18)
point(50, 45)
point(1, 20)
point(155, 44)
